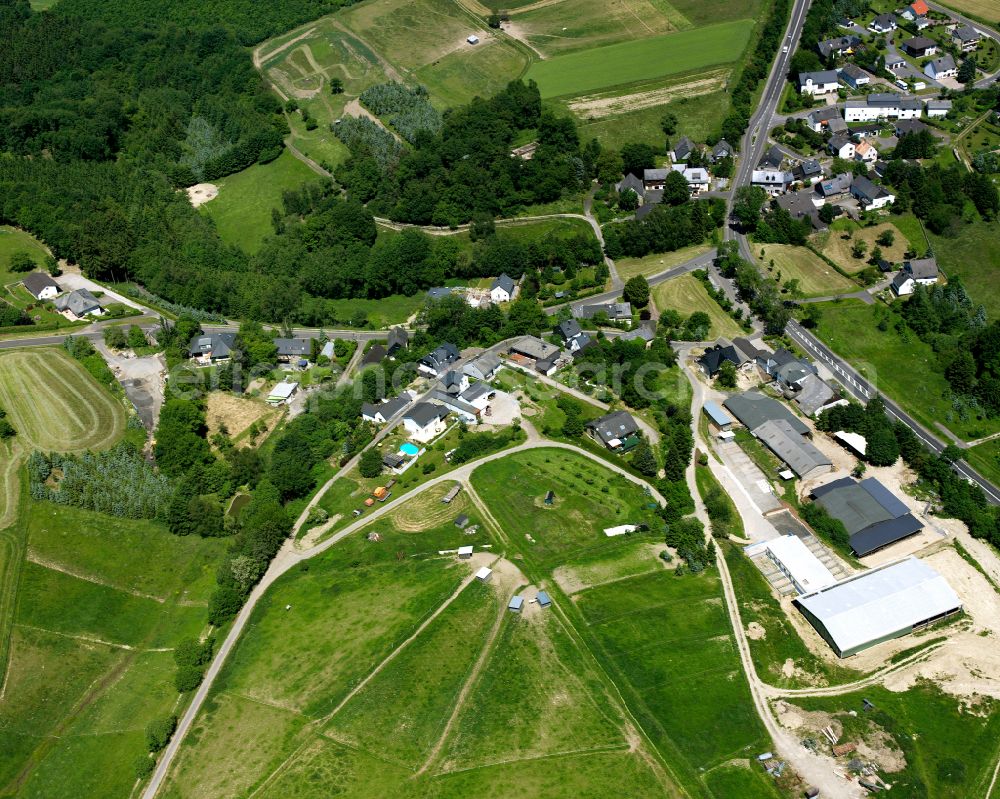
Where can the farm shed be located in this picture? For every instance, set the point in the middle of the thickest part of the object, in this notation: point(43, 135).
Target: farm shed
point(719, 417)
point(447, 498)
point(788, 552)
point(465, 552)
point(461, 521)
point(879, 605)
point(484, 574)
point(544, 600)
point(873, 516)
point(281, 393)
point(516, 603)
point(753, 409)
point(802, 457)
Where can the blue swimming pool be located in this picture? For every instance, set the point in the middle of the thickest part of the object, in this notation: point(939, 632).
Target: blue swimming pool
point(409, 449)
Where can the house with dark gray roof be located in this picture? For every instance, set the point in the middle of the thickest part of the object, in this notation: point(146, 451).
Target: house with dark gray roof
point(840, 45)
point(801, 455)
point(918, 271)
point(79, 303)
point(484, 367)
point(398, 339)
point(772, 158)
point(208, 347)
point(870, 195)
point(873, 516)
point(966, 37)
point(645, 332)
point(682, 150)
point(40, 286)
point(502, 289)
point(617, 430)
point(382, 412)
point(883, 23)
point(425, 420)
point(630, 181)
point(722, 149)
point(616, 311)
point(819, 118)
point(376, 354)
point(835, 187)
point(854, 76)
point(943, 67)
point(920, 46)
point(434, 363)
point(904, 127)
point(291, 349)
point(801, 205)
point(654, 179)
point(821, 82)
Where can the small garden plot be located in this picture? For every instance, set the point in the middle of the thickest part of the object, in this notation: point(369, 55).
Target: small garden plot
point(670, 641)
point(814, 277)
point(537, 696)
point(686, 294)
point(837, 245)
point(401, 714)
point(573, 525)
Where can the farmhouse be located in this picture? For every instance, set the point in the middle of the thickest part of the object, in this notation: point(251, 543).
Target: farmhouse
point(424, 421)
point(40, 286)
point(966, 38)
point(79, 304)
point(943, 67)
point(854, 76)
point(922, 271)
point(841, 45)
point(440, 359)
point(882, 105)
point(282, 393)
point(920, 46)
point(386, 409)
point(870, 195)
point(211, 347)
point(872, 515)
point(503, 289)
point(879, 605)
point(484, 367)
point(802, 456)
point(803, 569)
point(823, 82)
point(398, 339)
point(617, 431)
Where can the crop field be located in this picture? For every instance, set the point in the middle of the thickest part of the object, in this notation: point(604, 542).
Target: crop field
point(514, 489)
point(838, 249)
point(242, 211)
point(816, 277)
point(949, 751)
point(643, 60)
point(669, 646)
point(986, 10)
point(686, 294)
point(426, 697)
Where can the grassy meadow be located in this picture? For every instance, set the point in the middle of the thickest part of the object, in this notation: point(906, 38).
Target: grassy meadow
point(816, 277)
point(658, 262)
point(686, 294)
point(839, 241)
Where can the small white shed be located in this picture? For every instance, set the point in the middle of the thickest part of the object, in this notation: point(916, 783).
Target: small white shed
point(465, 552)
point(484, 574)
point(473, 39)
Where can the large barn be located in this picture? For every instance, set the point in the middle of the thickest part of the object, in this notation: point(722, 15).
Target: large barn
point(879, 605)
point(872, 515)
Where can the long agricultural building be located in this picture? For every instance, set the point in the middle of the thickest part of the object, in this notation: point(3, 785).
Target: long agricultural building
point(804, 570)
point(879, 605)
point(872, 515)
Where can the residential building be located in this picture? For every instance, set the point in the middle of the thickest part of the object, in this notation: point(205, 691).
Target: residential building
point(865, 152)
point(533, 347)
point(464, 410)
point(871, 196)
point(920, 46)
point(654, 179)
point(382, 412)
point(893, 60)
point(484, 367)
point(328, 351)
point(682, 150)
point(836, 187)
point(879, 605)
point(872, 515)
point(882, 105)
point(838, 46)
point(822, 82)
point(40, 286)
point(375, 354)
point(771, 362)
point(802, 205)
point(938, 108)
point(292, 349)
point(212, 347)
point(906, 126)
point(919, 271)
point(617, 430)
point(478, 395)
point(883, 23)
point(282, 393)
point(424, 421)
point(943, 67)
point(78, 304)
point(436, 362)
point(813, 395)
point(819, 118)
point(615, 311)
point(455, 382)
point(696, 177)
point(854, 76)
point(645, 332)
point(773, 181)
point(842, 146)
point(722, 149)
point(571, 334)
point(966, 38)
point(773, 158)
point(628, 182)
point(398, 339)
point(809, 171)
point(740, 352)
point(503, 289)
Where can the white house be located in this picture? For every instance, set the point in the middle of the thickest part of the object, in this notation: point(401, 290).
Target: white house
point(938, 108)
point(773, 181)
point(943, 67)
point(503, 289)
point(922, 271)
point(842, 146)
point(424, 421)
point(871, 196)
point(41, 286)
point(383, 411)
point(865, 152)
point(696, 177)
point(820, 118)
point(966, 37)
point(854, 76)
point(78, 304)
point(484, 367)
point(883, 23)
point(282, 393)
point(823, 82)
point(473, 39)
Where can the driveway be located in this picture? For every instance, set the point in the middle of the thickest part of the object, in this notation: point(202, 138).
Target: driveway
point(71, 281)
point(142, 379)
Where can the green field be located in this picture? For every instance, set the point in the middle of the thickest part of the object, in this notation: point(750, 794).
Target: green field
point(385, 312)
point(903, 368)
point(985, 458)
point(514, 489)
point(441, 693)
point(646, 59)
point(907, 235)
point(686, 294)
point(659, 262)
point(974, 256)
point(12, 240)
point(242, 211)
point(816, 277)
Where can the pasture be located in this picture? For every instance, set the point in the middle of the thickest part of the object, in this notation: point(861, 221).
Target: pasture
point(815, 276)
point(242, 211)
point(686, 294)
point(588, 498)
point(643, 60)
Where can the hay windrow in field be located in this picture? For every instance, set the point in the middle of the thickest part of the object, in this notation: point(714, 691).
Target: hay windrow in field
point(596, 106)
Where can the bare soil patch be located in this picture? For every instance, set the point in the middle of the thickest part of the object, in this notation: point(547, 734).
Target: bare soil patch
point(597, 106)
point(237, 414)
point(756, 632)
point(201, 193)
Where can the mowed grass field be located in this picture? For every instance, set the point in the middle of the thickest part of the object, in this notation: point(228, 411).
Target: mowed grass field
point(986, 10)
point(440, 693)
point(686, 294)
point(835, 246)
point(242, 211)
point(816, 277)
point(658, 262)
point(645, 59)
